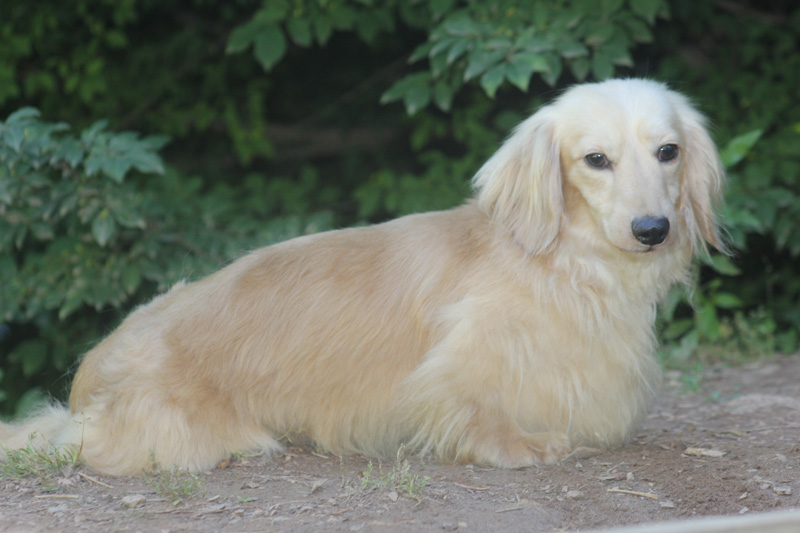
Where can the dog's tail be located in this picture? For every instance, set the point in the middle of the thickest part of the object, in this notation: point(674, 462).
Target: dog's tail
point(50, 426)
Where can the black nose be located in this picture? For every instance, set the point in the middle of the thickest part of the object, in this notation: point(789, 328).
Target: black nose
point(650, 230)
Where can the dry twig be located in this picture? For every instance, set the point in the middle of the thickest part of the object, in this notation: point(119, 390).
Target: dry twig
point(634, 493)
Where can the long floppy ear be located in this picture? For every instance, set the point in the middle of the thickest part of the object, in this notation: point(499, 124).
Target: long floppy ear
point(701, 181)
point(520, 185)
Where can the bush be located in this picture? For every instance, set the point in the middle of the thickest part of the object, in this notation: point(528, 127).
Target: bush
point(95, 222)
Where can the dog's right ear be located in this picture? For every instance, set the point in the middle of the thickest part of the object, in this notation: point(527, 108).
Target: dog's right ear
point(520, 185)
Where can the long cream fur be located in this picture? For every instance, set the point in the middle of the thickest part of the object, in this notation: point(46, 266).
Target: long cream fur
point(502, 332)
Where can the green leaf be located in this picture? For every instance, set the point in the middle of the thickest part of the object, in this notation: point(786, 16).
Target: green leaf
point(269, 47)
point(519, 74)
point(441, 7)
point(126, 216)
point(457, 50)
point(738, 147)
point(611, 6)
point(443, 95)
point(71, 151)
point(676, 328)
point(599, 34)
point(602, 66)
point(13, 136)
point(22, 115)
point(438, 64)
point(553, 72)
point(522, 66)
point(147, 162)
point(401, 87)
point(638, 30)
point(31, 400)
point(722, 264)
point(417, 97)
point(323, 29)
point(73, 301)
point(579, 68)
point(439, 46)
point(572, 49)
point(131, 278)
point(89, 135)
point(460, 24)
point(103, 227)
point(300, 32)
point(31, 354)
point(480, 61)
point(154, 142)
point(242, 37)
point(420, 52)
point(272, 11)
point(492, 79)
point(726, 300)
point(646, 9)
point(707, 322)
point(116, 167)
point(535, 43)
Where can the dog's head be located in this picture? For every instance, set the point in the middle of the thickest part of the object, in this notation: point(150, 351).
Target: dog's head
point(629, 157)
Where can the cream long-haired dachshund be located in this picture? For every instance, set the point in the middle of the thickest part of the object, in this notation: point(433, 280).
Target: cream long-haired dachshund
point(503, 332)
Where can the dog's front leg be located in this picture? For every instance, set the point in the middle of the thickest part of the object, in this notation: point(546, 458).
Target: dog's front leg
point(474, 399)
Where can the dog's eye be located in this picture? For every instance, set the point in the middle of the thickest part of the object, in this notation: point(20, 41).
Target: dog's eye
point(597, 160)
point(668, 152)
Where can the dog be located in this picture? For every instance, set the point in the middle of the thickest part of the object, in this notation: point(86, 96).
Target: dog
point(504, 332)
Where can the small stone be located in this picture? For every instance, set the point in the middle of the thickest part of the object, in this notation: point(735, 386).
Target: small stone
point(666, 504)
point(703, 452)
point(462, 525)
point(574, 494)
point(133, 500)
point(629, 476)
point(317, 484)
point(783, 490)
point(393, 495)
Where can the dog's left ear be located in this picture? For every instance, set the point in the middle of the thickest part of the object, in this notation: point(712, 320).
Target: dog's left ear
point(702, 179)
point(520, 185)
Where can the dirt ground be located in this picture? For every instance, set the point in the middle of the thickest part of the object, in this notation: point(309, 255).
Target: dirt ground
point(730, 448)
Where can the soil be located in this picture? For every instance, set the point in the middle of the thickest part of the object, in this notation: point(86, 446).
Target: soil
point(729, 447)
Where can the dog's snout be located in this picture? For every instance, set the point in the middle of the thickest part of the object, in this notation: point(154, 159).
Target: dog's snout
point(650, 230)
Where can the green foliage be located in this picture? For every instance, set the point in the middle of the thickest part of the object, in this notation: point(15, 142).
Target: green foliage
point(749, 306)
point(38, 460)
point(175, 485)
point(305, 22)
point(512, 40)
point(399, 478)
point(493, 41)
point(63, 201)
point(82, 228)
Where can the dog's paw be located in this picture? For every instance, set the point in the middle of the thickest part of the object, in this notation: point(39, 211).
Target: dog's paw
point(514, 451)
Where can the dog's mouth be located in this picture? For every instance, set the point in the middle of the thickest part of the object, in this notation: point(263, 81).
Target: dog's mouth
point(639, 249)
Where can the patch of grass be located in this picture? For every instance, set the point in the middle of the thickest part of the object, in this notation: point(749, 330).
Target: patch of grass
point(399, 478)
point(42, 461)
point(175, 485)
